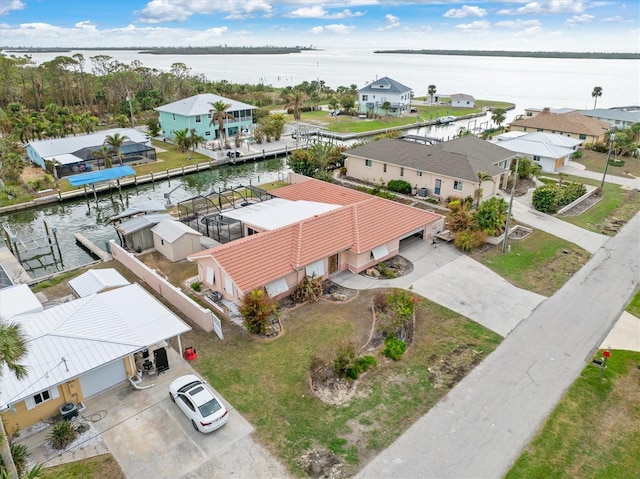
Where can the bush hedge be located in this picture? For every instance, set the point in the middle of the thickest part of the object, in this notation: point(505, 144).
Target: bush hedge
point(551, 197)
point(399, 186)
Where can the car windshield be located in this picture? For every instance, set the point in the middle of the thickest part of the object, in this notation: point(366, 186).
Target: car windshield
point(208, 408)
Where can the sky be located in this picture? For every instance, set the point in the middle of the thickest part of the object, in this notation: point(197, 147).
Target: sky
point(542, 25)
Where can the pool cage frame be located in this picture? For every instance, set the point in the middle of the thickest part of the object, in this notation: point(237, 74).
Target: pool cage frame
point(204, 213)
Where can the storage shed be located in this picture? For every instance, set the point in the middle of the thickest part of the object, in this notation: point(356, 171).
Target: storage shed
point(135, 233)
point(175, 240)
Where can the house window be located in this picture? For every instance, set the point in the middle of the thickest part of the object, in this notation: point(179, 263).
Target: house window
point(457, 185)
point(384, 168)
point(174, 116)
point(209, 115)
point(365, 97)
point(161, 241)
point(419, 173)
point(368, 163)
point(536, 158)
point(251, 231)
point(42, 397)
point(540, 129)
point(207, 133)
point(198, 119)
point(583, 136)
point(401, 171)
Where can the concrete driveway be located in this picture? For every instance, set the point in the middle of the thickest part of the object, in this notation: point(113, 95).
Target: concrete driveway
point(448, 277)
point(151, 438)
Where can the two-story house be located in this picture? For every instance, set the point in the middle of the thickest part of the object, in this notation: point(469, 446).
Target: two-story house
point(375, 94)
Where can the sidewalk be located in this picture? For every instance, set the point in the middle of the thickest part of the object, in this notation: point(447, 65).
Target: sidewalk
point(576, 169)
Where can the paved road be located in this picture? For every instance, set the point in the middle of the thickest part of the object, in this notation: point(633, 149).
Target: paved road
point(480, 428)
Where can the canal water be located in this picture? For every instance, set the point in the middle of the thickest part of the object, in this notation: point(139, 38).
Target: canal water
point(90, 218)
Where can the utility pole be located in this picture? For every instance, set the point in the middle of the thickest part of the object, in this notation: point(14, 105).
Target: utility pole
point(513, 193)
point(612, 137)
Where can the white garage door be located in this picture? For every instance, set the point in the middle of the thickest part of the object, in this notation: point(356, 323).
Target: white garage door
point(102, 378)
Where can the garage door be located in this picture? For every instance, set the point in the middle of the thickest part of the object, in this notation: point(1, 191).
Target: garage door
point(102, 378)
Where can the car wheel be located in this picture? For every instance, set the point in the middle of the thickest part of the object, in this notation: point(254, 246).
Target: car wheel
point(172, 398)
point(195, 426)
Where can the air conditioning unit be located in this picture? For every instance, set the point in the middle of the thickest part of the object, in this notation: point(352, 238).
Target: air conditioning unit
point(423, 192)
point(68, 410)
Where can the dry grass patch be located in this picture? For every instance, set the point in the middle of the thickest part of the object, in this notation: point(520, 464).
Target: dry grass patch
point(98, 467)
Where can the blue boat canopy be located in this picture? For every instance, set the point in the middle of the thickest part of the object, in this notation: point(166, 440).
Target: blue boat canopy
point(99, 176)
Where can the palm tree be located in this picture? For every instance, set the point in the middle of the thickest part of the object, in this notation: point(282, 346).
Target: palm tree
point(295, 101)
point(103, 153)
point(431, 91)
point(219, 114)
point(498, 115)
point(386, 106)
point(596, 93)
point(180, 138)
point(194, 140)
point(13, 347)
point(482, 177)
point(462, 131)
point(115, 142)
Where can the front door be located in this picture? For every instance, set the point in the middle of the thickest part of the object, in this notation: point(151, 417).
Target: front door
point(438, 186)
point(333, 263)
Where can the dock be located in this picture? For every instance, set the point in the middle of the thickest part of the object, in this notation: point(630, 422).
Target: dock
point(91, 247)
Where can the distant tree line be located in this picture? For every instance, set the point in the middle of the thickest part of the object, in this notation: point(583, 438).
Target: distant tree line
point(507, 53)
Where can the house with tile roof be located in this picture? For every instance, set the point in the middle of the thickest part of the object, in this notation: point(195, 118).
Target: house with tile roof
point(462, 100)
point(448, 169)
point(572, 124)
point(355, 232)
point(79, 348)
point(375, 94)
point(195, 112)
point(550, 151)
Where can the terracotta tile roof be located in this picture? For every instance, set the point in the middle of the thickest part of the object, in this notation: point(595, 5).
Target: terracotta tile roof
point(572, 122)
point(367, 222)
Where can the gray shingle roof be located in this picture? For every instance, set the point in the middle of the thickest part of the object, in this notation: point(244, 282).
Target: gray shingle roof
point(385, 84)
point(200, 105)
point(613, 114)
point(462, 158)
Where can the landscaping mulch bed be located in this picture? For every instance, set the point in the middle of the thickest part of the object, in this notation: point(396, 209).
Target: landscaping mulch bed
point(583, 206)
point(395, 267)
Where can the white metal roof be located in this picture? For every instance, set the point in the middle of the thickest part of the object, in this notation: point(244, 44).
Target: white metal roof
point(57, 147)
point(535, 148)
point(96, 281)
point(18, 299)
point(141, 222)
point(552, 139)
point(171, 231)
point(272, 214)
point(65, 159)
point(201, 105)
point(73, 338)
point(509, 135)
point(150, 206)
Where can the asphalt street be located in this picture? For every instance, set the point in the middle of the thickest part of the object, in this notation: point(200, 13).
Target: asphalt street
point(480, 428)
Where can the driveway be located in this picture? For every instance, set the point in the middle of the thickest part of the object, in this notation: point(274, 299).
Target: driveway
point(151, 438)
point(444, 275)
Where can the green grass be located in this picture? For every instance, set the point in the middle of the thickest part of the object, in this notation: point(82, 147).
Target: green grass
point(594, 432)
point(541, 263)
point(268, 381)
point(634, 306)
point(98, 467)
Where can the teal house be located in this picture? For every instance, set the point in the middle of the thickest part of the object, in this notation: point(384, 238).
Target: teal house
point(197, 111)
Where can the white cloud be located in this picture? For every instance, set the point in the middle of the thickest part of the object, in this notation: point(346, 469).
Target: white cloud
point(527, 32)
point(338, 29)
point(465, 11)
point(553, 6)
point(391, 22)
point(7, 6)
point(518, 23)
point(317, 11)
point(617, 19)
point(162, 11)
point(479, 26)
point(579, 19)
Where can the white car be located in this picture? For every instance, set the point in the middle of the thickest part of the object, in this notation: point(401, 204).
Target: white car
point(197, 401)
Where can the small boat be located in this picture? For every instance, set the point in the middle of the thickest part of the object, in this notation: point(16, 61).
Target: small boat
point(446, 119)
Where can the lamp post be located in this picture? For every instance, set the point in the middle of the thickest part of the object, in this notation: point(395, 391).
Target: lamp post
point(612, 137)
point(513, 193)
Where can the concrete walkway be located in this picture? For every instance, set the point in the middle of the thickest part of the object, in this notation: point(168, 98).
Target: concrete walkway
point(624, 335)
point(576, 169)
point(480, 428)
point(444, 275)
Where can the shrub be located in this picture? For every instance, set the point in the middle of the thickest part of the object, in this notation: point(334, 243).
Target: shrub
point(492, 215)
point(20, 456)
point(460, 217)
point(62, 434)
point(550, 197)
point(309, 289)
point(196, 286)
point(399, 186)
point(576, 155)
point(349, 364)
point(256, 308)
point(394, 348)
point(386, 272)
point(469, 240)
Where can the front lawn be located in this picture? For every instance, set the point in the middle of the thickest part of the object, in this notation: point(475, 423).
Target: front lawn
point(595, 161)
point(98, 467)
point(268, 381)
point(541, 262)
point(594, 432)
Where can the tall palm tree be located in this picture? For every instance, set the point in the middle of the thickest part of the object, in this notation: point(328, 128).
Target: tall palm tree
point(482, 177)
point(596, 93)
point(219, 114)
point(104, 154)
point(180, 138)
point(194, 141)
point(431, 91)
point(13, 348)
point(115, 142)
point(295, 101)
point(498, 115)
